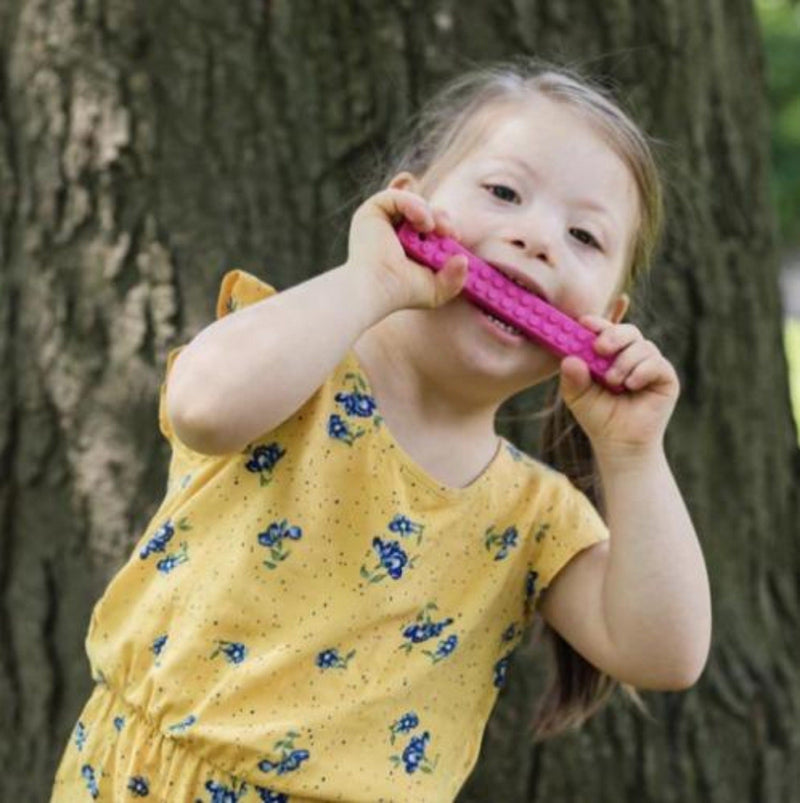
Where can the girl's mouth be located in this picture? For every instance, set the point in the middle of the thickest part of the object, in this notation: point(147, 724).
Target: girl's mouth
point(507, 332)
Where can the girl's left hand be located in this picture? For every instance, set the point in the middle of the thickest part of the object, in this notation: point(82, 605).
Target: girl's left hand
point(631, 422)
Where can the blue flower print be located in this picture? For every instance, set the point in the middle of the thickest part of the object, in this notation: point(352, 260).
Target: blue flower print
point(224, 794)
point(427, 629)
point(506, 540)
point(530, 584)
point(138, 786)
point(330, 659)
point(404, 526)
point(166, 565)
point(157, 647)
point(530, 594)
point(338, 429)
point(443, 649)
point(357, 404)
point(391, 557)
point(510, 632)
point(263, 461)
point(119, 723)
point(87, 771)
point(80, 735)
point(290, 759)
point(274, 536)
point(414, 758)
point(406, 723)
point(234, 651)
point(500, 669)
point(183, 725)
point(268, 796)
point(158, 543)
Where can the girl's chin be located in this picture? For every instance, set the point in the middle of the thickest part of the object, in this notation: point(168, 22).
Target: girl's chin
point(486, 347)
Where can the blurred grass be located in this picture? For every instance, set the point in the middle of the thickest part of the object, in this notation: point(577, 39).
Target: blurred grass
point(780, 29)
point(791, 339)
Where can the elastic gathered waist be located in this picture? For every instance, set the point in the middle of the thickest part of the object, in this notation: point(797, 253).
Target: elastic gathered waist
point(115, 753)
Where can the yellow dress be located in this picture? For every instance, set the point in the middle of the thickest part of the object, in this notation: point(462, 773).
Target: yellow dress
point(315, 618)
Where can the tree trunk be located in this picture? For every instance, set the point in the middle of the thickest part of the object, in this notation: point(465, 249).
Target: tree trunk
point(148, 147)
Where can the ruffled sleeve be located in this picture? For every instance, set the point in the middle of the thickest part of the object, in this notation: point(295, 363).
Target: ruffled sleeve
point(568, 524)
point(237, 289)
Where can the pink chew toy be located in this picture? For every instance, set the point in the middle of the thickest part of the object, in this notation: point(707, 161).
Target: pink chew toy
point(489, 289)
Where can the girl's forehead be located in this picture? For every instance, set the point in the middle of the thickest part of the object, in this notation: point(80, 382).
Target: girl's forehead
point(556, 144)
point(541, 129)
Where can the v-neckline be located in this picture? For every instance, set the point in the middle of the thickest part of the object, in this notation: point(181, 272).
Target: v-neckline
point(413, 467)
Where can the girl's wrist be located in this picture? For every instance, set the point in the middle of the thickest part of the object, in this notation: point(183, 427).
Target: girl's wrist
point(629, 458)
point(371, 297)
point(375, 293)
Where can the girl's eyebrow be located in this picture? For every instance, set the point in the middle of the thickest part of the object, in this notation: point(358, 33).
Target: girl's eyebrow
point(515, 160)
point(594, 206)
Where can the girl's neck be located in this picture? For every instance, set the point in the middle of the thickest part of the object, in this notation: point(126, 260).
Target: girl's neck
point(417, 390)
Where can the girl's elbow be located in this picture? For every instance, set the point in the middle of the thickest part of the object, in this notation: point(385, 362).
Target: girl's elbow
point(686, 674)
point(667, 673)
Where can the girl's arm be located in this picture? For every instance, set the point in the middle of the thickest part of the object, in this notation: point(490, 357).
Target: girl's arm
point(247, 372)
point(638, 606)
point(656, 597)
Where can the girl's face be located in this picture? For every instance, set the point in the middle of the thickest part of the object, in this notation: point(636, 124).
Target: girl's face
point(544, 198)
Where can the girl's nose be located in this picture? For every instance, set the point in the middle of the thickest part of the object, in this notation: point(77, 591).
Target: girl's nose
point(536, 246)
point(534, 232)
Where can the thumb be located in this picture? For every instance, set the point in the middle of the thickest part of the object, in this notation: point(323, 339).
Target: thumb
point(575, 380)
point(451, 279)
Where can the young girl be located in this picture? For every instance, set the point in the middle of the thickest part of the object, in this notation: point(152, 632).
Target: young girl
point(324, 605)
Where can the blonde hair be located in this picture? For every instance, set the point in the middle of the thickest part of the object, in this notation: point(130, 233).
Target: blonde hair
point(447, 128)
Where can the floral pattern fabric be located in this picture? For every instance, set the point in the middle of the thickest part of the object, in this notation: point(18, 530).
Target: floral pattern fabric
point(315, 618)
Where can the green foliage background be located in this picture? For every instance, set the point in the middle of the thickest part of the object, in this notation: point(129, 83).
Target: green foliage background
point(780, 24)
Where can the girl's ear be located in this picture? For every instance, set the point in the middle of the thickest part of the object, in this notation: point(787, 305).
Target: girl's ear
point(616, 309)
point(405, 181)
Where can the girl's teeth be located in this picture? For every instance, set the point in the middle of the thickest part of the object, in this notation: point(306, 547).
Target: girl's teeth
point(503, 325)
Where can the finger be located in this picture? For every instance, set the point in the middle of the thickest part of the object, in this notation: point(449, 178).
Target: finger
point(628, 360)
point(456, 264)
point(653, 373)
point(451, 278)
point(416, 211)
point(575, 374)
point(616, 337)
point(595, 322)
point(398, 204)
point(444, 224)
point(575, 383)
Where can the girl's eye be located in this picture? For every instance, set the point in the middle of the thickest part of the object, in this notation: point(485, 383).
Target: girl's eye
point(583, 236)
point(503, 192)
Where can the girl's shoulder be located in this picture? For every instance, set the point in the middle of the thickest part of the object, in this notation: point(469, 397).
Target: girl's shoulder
point(536, 473)
point(527, 462)
point(237, 289)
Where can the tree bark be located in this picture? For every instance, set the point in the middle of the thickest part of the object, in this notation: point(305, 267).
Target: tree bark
point(148, 147)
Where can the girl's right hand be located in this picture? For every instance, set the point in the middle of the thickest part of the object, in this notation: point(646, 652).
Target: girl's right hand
point(375, 252)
